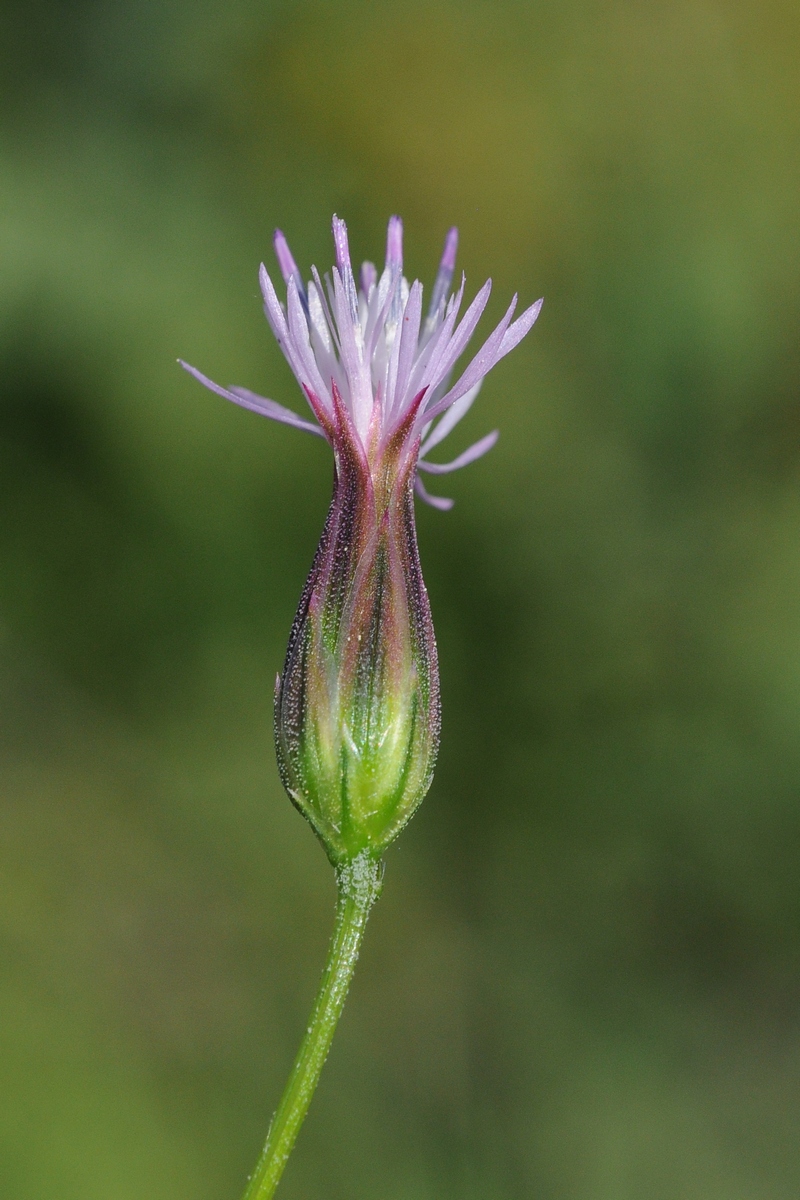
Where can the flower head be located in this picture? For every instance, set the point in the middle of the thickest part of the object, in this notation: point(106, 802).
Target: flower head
point(371, 345)
point(357, 705)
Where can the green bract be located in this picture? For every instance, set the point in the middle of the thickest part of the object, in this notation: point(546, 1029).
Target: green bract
point(357, 706)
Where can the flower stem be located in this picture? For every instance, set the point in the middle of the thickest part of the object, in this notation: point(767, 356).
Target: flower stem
point(359, 885)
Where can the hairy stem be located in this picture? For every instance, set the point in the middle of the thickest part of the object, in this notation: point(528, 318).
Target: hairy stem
point(359, 884)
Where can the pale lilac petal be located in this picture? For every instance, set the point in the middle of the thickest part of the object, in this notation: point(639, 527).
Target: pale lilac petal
point(394, 264)
point(428, 347)
point(450, 419)
point(394, 244)
point(326, 308)
point(288, 267)
point(317, 317)
point(441, 337)
point(400, 300)
point(330, 291)
point(474, 452)
point(272, 305)
point(341, 244)
point(516, 332)
point(259, 404)
point(444, 275)
point(480, 365)
point(347, 337)
point(270, 408)
point(284, 256)
point(277, 320)
point(358, 375)
point(298, 330)
point(450, 353)
point(373, 331)
point(391, 374)
point(368, 278)
point(345, 267)
point(440, 502)
point(408, 337)
point(322, 344)
point(427, 370)
point(386, 286)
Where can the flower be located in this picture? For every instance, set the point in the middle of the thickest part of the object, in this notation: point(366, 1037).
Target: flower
point(357, 705)
point(339, 339)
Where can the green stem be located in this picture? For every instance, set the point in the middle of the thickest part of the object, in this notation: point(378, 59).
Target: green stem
point(359, 884)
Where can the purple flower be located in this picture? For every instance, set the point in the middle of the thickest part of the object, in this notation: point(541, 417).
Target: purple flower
point(357, 707)
point(372, 346)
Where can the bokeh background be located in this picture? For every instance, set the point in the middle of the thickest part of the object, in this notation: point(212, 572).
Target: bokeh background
point(583, 979)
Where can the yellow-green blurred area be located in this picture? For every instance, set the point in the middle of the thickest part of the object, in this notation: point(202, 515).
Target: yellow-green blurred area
point(582, 981)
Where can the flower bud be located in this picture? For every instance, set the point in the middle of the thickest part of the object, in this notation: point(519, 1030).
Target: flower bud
point(357, 707)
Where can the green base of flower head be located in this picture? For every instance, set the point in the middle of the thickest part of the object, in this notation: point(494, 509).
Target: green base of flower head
point(357, 707)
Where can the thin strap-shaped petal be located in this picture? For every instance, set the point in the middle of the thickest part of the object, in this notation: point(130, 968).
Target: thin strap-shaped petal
point(440, 502)
point(427, 369)
point(277, 320)
point(387, 281)
point(322, 344)
point(480, 365)
point(375, 328)
point(288, 266)
point(326, 308)
point(271, 408)
point(394, 243)
point(391, 372)
point(368, 277)
point(347, 338)
point(443, 362)
point(329, 290)
point(298, 329)
point(345, 266)
point(394, 261)
point(358, 373)
point(474, 452)
point(450, 419)
point(272, 305)
point(516, 332)
point(444, 276)
point(317, 317)
point(442, 339)
point(409, 336)
point(259, 404)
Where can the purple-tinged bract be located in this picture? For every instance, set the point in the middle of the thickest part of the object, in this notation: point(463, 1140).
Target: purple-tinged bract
point(357, 706)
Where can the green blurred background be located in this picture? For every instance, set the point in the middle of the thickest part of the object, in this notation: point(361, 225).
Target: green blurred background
point(583, 979)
